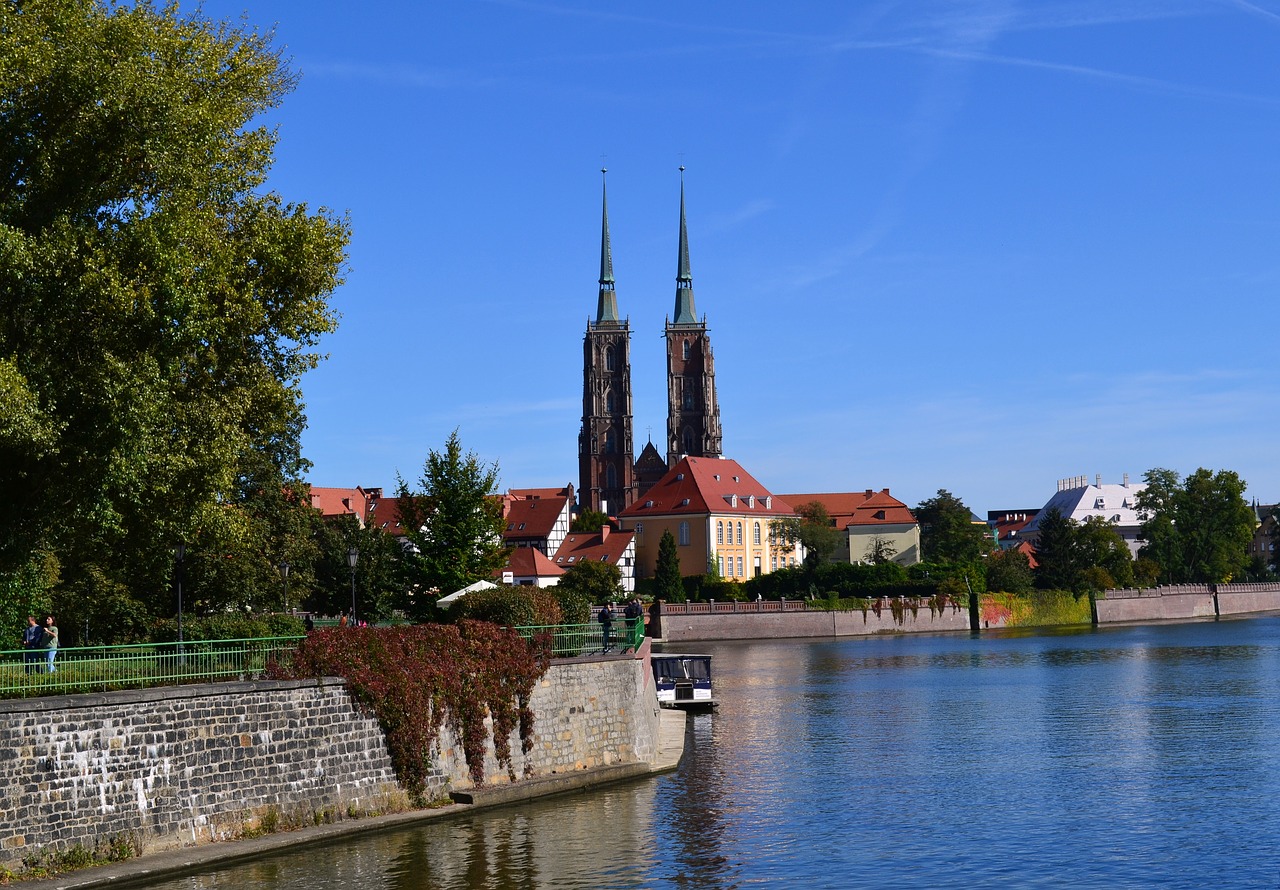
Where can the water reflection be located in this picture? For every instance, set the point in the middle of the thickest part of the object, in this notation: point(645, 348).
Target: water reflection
point(1125, 757)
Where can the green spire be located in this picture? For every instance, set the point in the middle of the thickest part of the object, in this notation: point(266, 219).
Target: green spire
point(607, 308)
point(684, 278)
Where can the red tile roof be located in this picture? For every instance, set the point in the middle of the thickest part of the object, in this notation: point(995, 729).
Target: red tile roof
point(527, 562)
point(702, 485)
point(339, 501)
point(384, 514)
point(532, 518)
point(858, 508)
point(605, 545)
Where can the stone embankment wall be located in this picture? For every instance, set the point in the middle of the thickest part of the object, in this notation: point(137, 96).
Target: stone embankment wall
point(767, 620)
point(1187, 601)
point(179, 766)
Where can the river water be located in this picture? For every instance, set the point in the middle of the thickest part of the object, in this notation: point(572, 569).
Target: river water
point(1125, 757)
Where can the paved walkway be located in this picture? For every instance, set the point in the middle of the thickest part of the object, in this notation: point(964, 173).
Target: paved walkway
point(208, 857)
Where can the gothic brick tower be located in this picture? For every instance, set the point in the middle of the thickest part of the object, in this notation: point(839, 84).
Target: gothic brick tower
point(693, 414)
point(606, 479)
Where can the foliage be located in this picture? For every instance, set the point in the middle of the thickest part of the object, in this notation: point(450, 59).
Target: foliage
point(880, 550)
point(1102, 550)
point(575, 606)
point(25, 592)
point(160, 307)
point(1039, 608)
point(507, 605)
point(594, 580)
point(666, 577)
point(416, 679)
point(812, 528)
point(841, 580)
point(227, 627)
point(947, 531)
point(1198, 529)
point(379, 590)
point(1057, 553)
point(589, 521)
point(1009, 571)
point(453, 526)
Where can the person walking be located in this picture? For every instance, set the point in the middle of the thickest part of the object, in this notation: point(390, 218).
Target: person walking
point(606, 626)
point(32, 635)
point(50, 641)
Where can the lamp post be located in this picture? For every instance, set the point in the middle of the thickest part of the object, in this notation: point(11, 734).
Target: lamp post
point(352, 556)
point(178, 553)
point(284, 573)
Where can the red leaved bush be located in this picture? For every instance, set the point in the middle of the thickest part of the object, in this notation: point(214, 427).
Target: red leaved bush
point(415, 679)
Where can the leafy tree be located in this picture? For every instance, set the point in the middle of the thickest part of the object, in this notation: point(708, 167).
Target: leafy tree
point(453, 525)
point(667, 584)
point(1198, 529)
point(599, 582)
point(1009, 571)
point(1058, 563)
point(378, 577)
point(159, 306)
point(1100, 546)
point(589, 521)
point(812, 528)
point(947, 530)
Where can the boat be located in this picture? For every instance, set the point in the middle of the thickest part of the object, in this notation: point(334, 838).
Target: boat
point(683, 680)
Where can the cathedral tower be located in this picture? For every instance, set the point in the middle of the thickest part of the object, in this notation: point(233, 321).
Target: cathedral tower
point(693, 414)
point(605, 473)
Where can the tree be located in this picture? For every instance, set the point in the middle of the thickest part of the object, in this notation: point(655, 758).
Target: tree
point(667, 583)
point(947, 530)
point(159, 305)
point(880, 550)
point(589, 521)
point(812, 528)
point(598, 582)
point(1009, 571)
point(1058, 562)
point(1100, 546)
point(1198, 529)
point(453, 525)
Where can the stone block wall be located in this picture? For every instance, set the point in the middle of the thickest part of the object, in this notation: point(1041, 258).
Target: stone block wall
point(764, 625)
point(187, 765)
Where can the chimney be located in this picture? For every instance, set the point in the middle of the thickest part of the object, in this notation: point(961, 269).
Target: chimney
point(1099, 480)
point(604, 532)
point(1126, 480)
point(869, 492)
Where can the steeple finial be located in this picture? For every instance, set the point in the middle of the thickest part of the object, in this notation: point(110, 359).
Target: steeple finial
point(607, 307)
point(684, 277)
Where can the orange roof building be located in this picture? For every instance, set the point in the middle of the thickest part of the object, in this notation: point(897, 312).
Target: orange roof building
point(871, 520)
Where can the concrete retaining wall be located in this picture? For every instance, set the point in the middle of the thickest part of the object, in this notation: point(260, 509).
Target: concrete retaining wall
point(753, 625)
point(1155, 604)
point(189, 765)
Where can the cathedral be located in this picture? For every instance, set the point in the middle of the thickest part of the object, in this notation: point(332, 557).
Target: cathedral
point(609, 479)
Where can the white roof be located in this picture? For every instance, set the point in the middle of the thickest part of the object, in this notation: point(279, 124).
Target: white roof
point(1115, 502)
point(447, 601)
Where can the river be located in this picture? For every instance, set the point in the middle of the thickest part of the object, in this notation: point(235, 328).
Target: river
point(1123, 757)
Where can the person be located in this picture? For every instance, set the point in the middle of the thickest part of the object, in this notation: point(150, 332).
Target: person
point(606, 626)
point(50, 641)
point(308, 624)
point(342, 621)
point(31, 638)
point(632, 613)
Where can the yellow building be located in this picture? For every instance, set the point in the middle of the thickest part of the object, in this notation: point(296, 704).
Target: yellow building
point(719, 516)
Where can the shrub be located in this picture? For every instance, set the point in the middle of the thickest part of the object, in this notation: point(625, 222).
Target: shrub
point(506, 605)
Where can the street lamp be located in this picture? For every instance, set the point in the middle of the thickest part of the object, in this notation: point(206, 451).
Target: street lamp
point(352, 556)
point(178, 553)
point(284, 573)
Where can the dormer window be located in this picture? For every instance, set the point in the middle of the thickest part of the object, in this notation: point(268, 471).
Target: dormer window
point(879, 514)
point(768, 502)
point(648, 503)
point(751, 501)
point(1100, 504)
point(684, 503)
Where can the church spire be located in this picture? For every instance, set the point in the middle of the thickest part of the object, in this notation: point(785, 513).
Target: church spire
point(607, 308)
point(684, 278)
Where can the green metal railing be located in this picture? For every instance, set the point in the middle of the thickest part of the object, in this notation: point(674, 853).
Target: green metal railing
point(103, 668)
point(572, 640)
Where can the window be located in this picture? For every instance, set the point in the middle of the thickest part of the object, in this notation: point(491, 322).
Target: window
point(739, 534)
point(721, 559)
point(610, 442)
point(608, 359)
point(686, 349)
point(739, 566)
point(639, 529)
point(755, 534)
point(773, 563)
point(686, 400)
point(610, 477)
point(684, 534)
point(608, 402)
point(879, 514)
point(720, 535)
point(688, 440)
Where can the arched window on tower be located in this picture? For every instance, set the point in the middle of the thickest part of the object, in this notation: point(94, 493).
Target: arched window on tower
point(610, 477)
point(686, 350)
point(686, 399)
point(608, 402)
point(688, 440)
point(608, 358)
point(610, 442)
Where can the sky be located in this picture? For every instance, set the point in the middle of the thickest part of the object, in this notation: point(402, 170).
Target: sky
point(975, 246)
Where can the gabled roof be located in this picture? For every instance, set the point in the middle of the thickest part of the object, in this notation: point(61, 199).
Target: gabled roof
point(339, 501)
point(1114, 502)
point(384, 514)
point(534, 518)
point(858, 508)
point(605, 545)
point(535, 493)
point(703, 485)
point(526, 562)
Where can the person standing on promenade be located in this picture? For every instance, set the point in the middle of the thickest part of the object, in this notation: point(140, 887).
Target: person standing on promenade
point(32, 634)
point(50, 641)
point(606, 626)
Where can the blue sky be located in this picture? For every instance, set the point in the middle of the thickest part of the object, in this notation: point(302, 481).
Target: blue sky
point(978, 246)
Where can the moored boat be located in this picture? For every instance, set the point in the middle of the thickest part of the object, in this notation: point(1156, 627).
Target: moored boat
point(683, 680)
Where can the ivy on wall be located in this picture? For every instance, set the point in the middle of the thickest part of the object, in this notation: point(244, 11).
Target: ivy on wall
point(417, 679)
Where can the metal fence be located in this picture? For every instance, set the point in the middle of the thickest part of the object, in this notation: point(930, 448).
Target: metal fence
point(574, 640)
point(102, 668)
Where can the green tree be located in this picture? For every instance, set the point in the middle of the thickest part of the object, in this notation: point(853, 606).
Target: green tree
point(589, 521)
point(1198, 529)
point(453, 525)
point(948, 532)
point(160, 305)
point(812, 528)
point(1058, 563)
point(378, 575)
point(599, 582)
point(1009, 571)
point(1100, 546)
point(667, 583)
point(880, 550)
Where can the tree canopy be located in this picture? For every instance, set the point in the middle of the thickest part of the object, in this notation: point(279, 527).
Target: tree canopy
point(947, 530)
point(667, 582)
point(159, 307)
point(1196, 529)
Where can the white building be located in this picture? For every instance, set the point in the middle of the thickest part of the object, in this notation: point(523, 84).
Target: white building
point(1077, 499)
